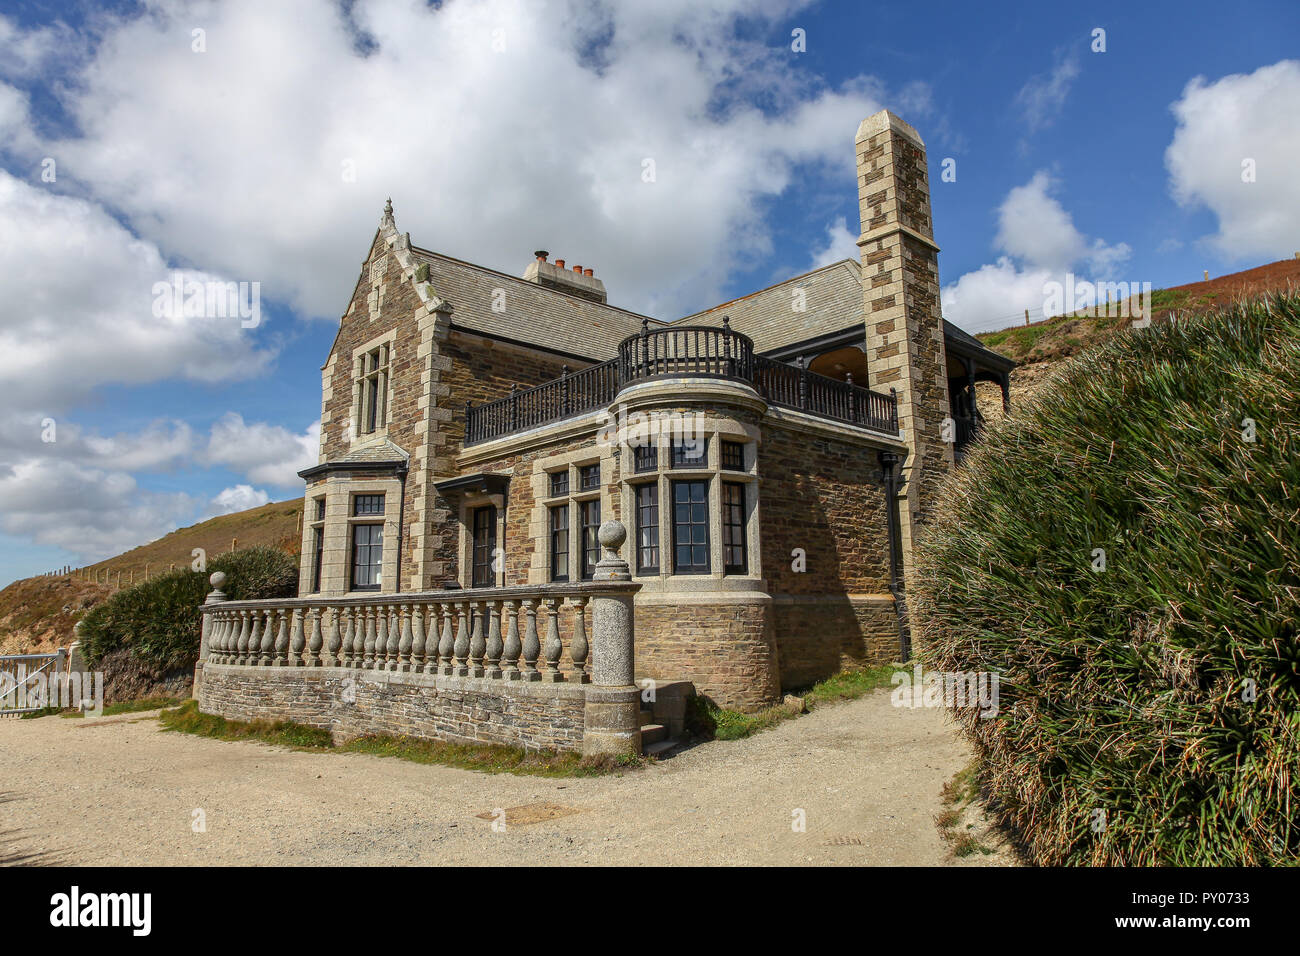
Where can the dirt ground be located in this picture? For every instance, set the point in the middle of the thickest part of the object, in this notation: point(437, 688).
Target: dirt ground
point(118, 791)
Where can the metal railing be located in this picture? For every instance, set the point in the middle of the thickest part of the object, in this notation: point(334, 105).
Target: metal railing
point(684, 352)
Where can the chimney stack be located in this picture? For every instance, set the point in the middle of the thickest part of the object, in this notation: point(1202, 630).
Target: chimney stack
point(576, 280)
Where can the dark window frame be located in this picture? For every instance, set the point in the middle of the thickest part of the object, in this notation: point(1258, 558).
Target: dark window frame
point(589, 477)
point(559, 483)
point(645, 458)
point(732, 456)
point(589, 543)
point(318, 553)
point(375, 555)
point(374, 388)
point(558, 536)
point(733, 521)
point(691, 523)
point(648, 553)
point(369, 510)
point(678, 457)
point(487, 547)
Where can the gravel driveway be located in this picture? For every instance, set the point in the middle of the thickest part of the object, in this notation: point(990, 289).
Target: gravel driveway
point(118, 791)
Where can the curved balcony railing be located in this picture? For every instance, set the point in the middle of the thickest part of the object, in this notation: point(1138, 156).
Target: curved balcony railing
point(687, 352)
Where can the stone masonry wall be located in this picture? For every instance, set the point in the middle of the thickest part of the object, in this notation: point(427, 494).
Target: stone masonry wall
point(819, 637)
point(534, 716)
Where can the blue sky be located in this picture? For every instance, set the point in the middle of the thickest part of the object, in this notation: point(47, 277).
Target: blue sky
point(499, 128)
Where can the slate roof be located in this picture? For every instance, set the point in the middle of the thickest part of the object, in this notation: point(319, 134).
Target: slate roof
point(556, 320)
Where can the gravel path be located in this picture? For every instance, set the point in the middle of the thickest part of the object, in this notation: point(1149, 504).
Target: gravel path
point(118, 791)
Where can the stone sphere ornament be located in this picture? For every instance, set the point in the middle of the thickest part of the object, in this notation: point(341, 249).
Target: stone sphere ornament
point(217, 578)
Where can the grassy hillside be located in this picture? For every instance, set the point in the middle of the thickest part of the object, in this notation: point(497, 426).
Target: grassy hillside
point(38, 614)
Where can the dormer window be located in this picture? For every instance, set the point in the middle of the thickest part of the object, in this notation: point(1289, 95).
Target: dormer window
point(374, 390)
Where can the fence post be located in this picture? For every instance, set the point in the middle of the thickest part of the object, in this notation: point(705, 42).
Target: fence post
point(215, 596)
point(612, 718)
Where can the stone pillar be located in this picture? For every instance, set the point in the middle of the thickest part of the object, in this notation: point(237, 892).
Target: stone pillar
point(904, 324)
point(612, 720)
point(215, 596)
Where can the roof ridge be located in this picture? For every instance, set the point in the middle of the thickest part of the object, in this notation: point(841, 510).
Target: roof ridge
point(768, 288)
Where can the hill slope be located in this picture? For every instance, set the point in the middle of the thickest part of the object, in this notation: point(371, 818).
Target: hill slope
point(37, 614)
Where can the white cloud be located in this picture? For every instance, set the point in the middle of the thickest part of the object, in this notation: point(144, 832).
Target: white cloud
point(236, 498)
point(1043, 96)
point(1222, 124)
point(841, 243)
point(1041, 244)
point(266, 454)
point(234, 158)
point(77, 312)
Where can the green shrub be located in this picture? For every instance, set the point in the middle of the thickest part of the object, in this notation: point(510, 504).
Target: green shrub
point(158, 621)
point(1150, 711)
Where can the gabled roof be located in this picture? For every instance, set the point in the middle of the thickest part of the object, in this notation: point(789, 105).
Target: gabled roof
point(534, 314)
point(831, 299)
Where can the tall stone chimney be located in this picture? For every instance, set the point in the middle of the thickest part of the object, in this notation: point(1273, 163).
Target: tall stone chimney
point(900, 288)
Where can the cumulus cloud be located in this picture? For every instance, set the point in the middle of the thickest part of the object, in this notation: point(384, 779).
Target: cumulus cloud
point(79, 312)
point(1041, 243)
point(1043, 95)
point(620, 135)
point(1223, 125)
point(841, 243)
point(236, 498)
point(266, 454)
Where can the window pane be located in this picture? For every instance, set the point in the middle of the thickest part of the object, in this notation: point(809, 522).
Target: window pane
point(589, 477)
point(645, 457)
point(590, 543)
point(647, 528)
point(367, 556)
point(690, 527)
point(733, 528)
point(560, 543)
point(318, 549)
point(368, 505)
point(733, 455)
point(485, 543)
point(559, 483)
point(690, 453)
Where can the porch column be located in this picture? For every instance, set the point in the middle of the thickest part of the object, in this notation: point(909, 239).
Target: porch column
point(612, 717)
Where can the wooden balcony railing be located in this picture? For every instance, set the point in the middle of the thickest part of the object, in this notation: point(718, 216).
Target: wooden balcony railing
point(685, 352)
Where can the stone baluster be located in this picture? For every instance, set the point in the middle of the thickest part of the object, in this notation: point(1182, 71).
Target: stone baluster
point(446, 643)
point(267, 655)
point(462, 639)
point(346, 653)
point(477, 645)
point(332, 658)
point(282, 638)
point(416, 663)
point(532, 647)
point(241, 646)
point(297, 639)
point(381, 637)
point(431, 643)
point(317, 638)
point(511, 648)
point(394, 638)
point(254, 640)
point(407, 641)
point(554, 647)
point(371, 636)
point(578, 648)
point(218, 637)
point(495, 646)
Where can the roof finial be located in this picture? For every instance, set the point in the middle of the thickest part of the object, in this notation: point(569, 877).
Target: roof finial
point(388, 210)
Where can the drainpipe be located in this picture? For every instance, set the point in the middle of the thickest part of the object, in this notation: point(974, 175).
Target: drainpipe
point(401, 521)
point(889, 461)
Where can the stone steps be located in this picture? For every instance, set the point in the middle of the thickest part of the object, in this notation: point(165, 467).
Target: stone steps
point(662, 721)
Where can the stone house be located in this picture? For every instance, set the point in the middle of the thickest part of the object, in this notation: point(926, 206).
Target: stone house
point(771, 458)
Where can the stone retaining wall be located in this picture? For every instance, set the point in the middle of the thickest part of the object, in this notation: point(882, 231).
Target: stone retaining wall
point(532, 715)
point(816, 636)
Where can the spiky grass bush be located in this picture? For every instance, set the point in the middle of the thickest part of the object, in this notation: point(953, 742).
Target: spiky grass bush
point(1149, 712)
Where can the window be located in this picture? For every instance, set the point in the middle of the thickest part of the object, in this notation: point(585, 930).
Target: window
point(590, 543)
point(733, 455)
point(320, 509)
point(367, 556)
point(485, 545)
point(559, 483)
point(734, 559)
point(690, 527)
point(690, 452)
point(647, 528)
point(589, 477)
point(559, 543)
point(317, 550)
point(368, 505)
point(374, 390)
point(645, 458)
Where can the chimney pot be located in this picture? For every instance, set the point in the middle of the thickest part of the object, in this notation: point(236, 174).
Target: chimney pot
point(541, 255)
point(588, 272)
point(559, 263)
point(578, 269)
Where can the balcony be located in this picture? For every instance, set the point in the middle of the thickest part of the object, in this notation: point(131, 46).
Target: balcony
point(681, 352)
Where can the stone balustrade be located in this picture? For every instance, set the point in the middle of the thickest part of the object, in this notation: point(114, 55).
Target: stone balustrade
point(429, 652)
